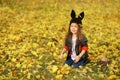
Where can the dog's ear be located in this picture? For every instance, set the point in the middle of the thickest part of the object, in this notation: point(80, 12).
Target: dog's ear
point(73, 15)
point(81, 16)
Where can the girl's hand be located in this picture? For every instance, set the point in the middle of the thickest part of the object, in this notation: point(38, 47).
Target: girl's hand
point(61, 56)
point(77, 58)
point(63, 51)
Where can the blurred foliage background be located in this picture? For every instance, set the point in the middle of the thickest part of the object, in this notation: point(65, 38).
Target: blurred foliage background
point(32, 35)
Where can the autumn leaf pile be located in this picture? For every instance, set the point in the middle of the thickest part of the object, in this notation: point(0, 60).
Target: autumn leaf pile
point(32, 35)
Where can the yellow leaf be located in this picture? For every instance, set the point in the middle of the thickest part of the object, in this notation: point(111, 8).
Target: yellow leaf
point(18, 65)
point(101, 75)
point(74, 76)
point(65, 69)
point(13, 60)
point(24, 66)
point(54, 69)
point(58, 72)
point(37, 76)
point(40, 57)
point(28, 75)
point(59, 77)
point(84, 71)
point(34, 53)
point(29, 65)
point(35, 45)
point(55, 55)
point(112, 77)
point(90, 69)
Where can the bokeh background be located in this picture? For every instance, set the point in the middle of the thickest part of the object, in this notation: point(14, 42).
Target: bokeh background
point(32, 34)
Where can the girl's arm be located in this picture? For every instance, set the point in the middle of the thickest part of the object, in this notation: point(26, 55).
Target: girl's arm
point(82, 53)
point(63, 51)
point(79, 56)
point(84, 47)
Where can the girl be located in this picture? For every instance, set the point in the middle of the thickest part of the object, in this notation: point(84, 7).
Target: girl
point(75, 42)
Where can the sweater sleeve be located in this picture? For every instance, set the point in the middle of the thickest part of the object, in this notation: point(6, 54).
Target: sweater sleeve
point(66, 44)
point(65, 47)
point(84, 43)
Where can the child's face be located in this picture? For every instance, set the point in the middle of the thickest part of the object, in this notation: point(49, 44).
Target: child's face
point(74, 28)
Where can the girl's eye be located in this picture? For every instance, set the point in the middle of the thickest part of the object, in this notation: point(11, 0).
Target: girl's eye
point(72, 26)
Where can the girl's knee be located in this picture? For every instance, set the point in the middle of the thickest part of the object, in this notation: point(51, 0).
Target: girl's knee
point(69, 62)
point(76, 65)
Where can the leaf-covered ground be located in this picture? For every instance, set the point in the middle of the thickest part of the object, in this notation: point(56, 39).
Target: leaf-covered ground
point(32, 35)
